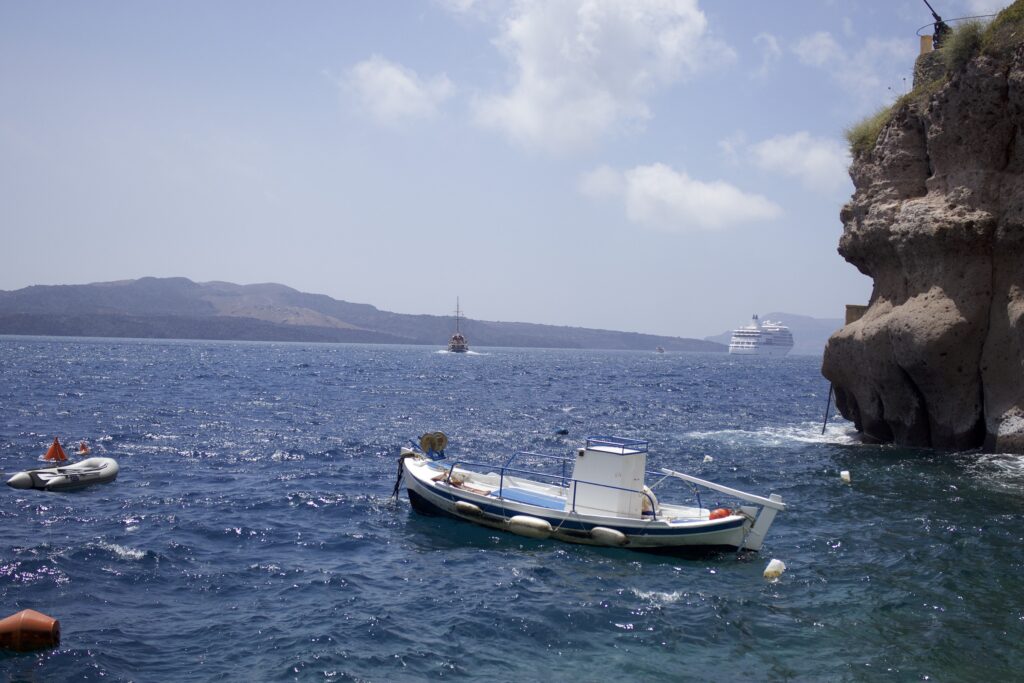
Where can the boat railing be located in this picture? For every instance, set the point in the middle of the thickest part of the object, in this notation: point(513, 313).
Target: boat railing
point(561, 459)
point(773, 502)
point(620, 443)
point(645, 494)
point(559, 480)
point(663, 477)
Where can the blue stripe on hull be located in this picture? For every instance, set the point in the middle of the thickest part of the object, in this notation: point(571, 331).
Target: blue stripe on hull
point(423, 504)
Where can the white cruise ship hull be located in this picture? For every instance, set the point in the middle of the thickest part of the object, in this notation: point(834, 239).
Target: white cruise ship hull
point(759, 350)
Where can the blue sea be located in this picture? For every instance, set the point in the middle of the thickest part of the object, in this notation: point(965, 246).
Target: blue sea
point(251, 534)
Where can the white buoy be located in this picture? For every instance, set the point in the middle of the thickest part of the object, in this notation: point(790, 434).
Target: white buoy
point(606, 536)
point(468, 508)
point(845, 476)
point(533, 527)
point(708, 458)
point(774, 569)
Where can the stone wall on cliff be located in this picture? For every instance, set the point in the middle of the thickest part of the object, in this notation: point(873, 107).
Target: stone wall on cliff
point(937, 221)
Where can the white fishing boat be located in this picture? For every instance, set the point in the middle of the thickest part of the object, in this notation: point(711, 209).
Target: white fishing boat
point(600, 496)
point(458, 343)
point(66, 477)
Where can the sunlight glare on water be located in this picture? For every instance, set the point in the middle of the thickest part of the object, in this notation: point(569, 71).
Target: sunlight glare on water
point(251, 534)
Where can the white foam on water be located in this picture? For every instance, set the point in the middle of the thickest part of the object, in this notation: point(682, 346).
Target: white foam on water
point(122, 552)
point(282, 456)
point(658, 598)
point(1002, 469)
point(842, 433)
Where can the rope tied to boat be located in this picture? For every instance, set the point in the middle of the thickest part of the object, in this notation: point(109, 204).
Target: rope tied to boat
point(398, 481)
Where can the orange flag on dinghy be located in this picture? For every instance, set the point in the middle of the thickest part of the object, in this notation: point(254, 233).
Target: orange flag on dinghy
point(55, 453)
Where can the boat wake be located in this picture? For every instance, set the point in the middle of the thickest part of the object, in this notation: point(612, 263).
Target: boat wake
point(1005, 470)
point(841, 433)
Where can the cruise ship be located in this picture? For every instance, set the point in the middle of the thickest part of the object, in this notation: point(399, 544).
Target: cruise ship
point(761, 339)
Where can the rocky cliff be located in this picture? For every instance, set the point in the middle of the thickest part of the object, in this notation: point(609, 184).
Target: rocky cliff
point(937, 220)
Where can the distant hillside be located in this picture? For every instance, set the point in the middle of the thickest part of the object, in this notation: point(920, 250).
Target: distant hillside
point(177, 308)
point(809, 334)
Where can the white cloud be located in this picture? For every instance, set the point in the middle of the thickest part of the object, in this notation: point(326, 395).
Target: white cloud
point(581, 67)
point(458, 6)
point(868, 74)
point(731, 145)
point(818, 49)
point(819, 163)
point(770, 53)
point(603, 181)
point(391, 92)
point(659, 197)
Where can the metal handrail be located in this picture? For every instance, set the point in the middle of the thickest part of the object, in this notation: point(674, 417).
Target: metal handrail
point(620, 442)
point(654, 510)
point(518, 470)
point(561, 458)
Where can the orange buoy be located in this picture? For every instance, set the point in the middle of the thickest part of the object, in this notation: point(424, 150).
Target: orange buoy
point(719, 513)
point(55, 452)
point(29, 630)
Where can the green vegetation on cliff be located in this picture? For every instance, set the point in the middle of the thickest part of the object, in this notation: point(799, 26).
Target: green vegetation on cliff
point(969, 39)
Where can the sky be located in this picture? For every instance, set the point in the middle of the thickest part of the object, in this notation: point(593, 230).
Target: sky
point(658, 166)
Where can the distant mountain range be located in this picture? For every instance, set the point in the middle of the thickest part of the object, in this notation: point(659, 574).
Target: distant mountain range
point(809, 334)
point(178, 308)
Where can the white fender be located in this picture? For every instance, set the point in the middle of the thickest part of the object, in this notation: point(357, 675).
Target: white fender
point(465, 508)
point(532, 527)
point(606, 536)
point(774, 569)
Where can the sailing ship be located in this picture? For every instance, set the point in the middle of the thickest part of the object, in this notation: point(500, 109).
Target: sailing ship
point(458, 343)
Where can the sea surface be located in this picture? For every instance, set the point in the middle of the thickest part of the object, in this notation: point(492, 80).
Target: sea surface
point(252, 536)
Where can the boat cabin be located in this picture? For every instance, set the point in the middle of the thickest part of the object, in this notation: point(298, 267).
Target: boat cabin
point(607, 476)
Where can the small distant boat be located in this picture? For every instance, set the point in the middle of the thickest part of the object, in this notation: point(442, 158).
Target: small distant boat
point(660, 349)
point(458, 343)
point(597, 497)
point(66, 477)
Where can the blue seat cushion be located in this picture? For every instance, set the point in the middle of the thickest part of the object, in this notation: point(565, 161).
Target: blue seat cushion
point(531, 498)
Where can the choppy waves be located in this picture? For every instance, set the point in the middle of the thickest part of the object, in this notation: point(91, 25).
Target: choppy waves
point(251, 533)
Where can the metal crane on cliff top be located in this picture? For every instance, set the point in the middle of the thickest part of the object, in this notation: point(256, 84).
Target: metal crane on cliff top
point(941, 29)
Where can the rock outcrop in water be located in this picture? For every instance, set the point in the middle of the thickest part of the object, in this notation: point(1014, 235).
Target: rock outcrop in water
point(937, 220)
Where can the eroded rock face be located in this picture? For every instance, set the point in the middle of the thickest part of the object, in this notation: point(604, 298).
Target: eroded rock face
point(937, 220)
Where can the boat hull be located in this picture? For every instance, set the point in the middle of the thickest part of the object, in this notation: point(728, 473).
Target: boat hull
point(439, 498)
point(67, 477)
point(763, 350)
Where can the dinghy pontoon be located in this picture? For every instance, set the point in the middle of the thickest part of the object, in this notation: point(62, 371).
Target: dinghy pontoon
point(66, 477)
